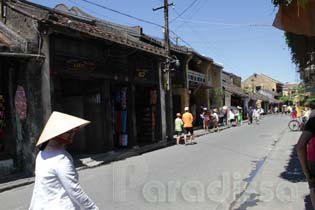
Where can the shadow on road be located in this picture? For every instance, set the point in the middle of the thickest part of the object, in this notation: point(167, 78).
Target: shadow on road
point(294, 173)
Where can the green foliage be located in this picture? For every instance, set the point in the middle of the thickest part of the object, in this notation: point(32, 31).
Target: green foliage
point(310, 101)
point(284, 99)
point(218, 95)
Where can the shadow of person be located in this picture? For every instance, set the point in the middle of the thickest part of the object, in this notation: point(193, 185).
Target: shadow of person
point(293, 173)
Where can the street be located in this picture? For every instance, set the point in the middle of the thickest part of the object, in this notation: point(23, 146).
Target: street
point(246, 167)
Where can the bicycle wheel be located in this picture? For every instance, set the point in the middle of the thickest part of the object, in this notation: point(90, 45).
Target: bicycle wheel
point(294, 125)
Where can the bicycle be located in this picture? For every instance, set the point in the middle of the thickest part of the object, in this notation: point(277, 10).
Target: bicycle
point(297, 124)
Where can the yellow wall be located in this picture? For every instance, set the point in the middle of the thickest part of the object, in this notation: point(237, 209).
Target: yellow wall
point(264, 82)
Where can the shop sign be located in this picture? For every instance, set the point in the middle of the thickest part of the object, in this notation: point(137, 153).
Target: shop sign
point(80, 66)
point(142, 74)
point(20, 102)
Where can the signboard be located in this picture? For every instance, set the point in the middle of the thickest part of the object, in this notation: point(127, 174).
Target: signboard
point(142, 74)
point(80, 65)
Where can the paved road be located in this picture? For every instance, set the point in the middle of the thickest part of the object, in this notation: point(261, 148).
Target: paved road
point(218, 172)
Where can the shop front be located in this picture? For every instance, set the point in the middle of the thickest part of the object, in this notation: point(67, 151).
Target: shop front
point(147, 120)
point(6, 145)
point(87, 86)
point(119, 94)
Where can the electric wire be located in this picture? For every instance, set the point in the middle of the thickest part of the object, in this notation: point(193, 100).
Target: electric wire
point(227, 24)
point(194, 11)
point(139, 19)
point(89, 10)
point(198, 35)
point(124, 14)
point(179, 15)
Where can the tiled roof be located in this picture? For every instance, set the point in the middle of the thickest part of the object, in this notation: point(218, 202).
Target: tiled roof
point(85, 25)
point(258, 96)
point(235, 90)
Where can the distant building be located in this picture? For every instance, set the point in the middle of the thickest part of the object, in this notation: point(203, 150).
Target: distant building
point(257, 82)
point(289, 89)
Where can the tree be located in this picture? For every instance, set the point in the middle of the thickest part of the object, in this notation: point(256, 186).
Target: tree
point(284, 99)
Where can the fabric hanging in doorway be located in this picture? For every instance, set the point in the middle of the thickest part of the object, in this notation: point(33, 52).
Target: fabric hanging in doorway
point(119, 113)
point(20, 102)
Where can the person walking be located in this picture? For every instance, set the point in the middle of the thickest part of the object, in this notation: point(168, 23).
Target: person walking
point(240, 115)
point(206, 119)
point(56, 179)
point(215, 118)
point(256, 115)
point(178, 127)
point(188, 126)
point(250, 115)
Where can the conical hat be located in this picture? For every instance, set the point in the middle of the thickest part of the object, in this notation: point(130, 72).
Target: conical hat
point(59, 123)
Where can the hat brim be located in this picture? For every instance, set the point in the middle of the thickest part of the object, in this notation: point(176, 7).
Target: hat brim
point(59, 123)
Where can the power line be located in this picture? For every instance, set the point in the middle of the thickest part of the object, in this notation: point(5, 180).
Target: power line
point(139, 19)
point(190, 5)
point(197, 34)
point(227, 24)
point(181, 39)
point(198, 6)
point(124, 14)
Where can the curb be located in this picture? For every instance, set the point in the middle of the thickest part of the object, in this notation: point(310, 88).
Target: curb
point(106, 158)
point(16, 183)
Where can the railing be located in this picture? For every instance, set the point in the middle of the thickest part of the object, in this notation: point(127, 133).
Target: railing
point(196, 77)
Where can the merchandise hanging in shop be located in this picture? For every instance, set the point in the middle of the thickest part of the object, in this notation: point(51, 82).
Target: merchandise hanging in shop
point(119, 116)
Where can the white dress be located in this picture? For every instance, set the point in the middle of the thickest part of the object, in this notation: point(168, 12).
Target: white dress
point(56, 183)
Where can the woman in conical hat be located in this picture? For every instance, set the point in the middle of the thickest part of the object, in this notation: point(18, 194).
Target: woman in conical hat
point(56, 179)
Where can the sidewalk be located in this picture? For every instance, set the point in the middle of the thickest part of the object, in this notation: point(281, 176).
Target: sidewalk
point(277, 182)
point(95, 160)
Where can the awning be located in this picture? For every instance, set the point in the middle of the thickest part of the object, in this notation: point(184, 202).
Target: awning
point(296, 19)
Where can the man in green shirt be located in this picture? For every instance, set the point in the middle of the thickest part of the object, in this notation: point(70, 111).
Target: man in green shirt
point(178, 127)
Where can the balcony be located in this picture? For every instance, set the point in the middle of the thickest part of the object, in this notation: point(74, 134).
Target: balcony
point(196, 78)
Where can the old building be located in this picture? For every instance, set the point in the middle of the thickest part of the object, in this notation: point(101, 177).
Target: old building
point(74, 63)
point(258, 82)
point(289, 89)
point(234, 95)
point(264, 91)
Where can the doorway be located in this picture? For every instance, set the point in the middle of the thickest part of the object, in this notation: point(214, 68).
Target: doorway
point(82, 98)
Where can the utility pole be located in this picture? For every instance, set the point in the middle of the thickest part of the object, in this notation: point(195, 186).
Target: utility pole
point(167, 77)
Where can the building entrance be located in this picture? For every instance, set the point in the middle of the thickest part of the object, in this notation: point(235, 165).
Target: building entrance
point(82, 98)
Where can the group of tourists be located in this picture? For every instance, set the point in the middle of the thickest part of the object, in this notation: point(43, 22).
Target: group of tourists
point(211, 118)
point(253, 114)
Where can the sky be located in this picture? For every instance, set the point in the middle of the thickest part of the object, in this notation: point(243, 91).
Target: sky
point(236, 34)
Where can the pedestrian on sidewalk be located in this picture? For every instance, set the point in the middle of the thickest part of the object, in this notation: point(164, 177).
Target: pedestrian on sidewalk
point(178, 127)
point(188, 126)
point(306, 155)
point(256, 115)
point(215, 118)
point(240, 115)
point(206, 119)
point(250, 115)
point(56, 179)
